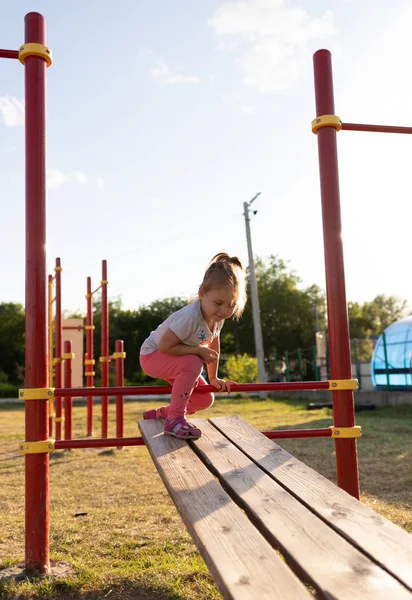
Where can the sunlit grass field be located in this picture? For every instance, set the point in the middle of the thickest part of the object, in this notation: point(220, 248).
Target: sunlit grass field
point(131, 543)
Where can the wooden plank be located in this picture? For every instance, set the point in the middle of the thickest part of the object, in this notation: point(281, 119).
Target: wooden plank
point(242, 562)
point(317, 553)
point(388, 545)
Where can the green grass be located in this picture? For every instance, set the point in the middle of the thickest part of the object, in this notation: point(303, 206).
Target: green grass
point(132, 543)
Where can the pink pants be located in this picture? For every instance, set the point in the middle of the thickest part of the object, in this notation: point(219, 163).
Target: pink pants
point(183, 372)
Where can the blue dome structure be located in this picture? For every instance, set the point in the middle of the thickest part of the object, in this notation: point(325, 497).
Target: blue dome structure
point(391, 366)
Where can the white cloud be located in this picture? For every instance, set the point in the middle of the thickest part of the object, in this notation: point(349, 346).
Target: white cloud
point(248, 110)
point(55, 178)
point(100, 183)
point(270, 38)
point(163, 74)
point(12, 111)
point(80, 177)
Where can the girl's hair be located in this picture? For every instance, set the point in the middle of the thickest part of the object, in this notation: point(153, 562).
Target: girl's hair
point(227, 271)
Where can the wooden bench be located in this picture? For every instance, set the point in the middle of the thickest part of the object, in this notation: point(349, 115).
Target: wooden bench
point(244, 500)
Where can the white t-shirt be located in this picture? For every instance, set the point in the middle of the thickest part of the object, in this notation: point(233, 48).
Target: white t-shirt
point(189, 326)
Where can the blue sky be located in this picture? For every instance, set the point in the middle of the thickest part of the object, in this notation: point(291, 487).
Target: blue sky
point(164, 117)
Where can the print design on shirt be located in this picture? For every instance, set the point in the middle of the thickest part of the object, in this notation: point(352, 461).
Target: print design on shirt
point(202, 335)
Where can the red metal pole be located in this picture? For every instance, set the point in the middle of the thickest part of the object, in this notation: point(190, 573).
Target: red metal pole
point(9, 54)
point(89, 358)
point(104, 363)
point(68, 401)
point(50, 349)
point(119, 349)
point(143, 390)
point(99, 443)
point(121, 441)
point(36, 417)
point(376, 128)
point(58, 346)
point(343, 403)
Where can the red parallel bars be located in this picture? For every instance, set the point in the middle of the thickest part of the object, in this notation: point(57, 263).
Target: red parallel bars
point(36, 414)
point(104, 359)
point(139, 441)
point(340, 361)
point(142, 390)
point(9, 54)
point(88, 357)
point(58, 346)
point(119, 358)
point(68, 401)
point(376, 128)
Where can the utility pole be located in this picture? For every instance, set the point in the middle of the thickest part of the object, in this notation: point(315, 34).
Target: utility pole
point(257, 327)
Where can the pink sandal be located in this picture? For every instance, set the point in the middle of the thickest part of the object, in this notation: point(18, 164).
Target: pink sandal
point(155, 413)
point(180, 428)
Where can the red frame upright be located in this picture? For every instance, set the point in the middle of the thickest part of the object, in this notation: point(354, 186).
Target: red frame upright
point(89, 356)
point(338, 326)
point(104, 348)
point(58, 332)
point(36, 414)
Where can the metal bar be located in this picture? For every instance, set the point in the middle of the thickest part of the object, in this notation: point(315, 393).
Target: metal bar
point(104, 349)
point(385, 352)
point(89, 355)
point(376, 128)
point(145, 390)
point(119, 347)
point(297, 433)
point(50, 355)
point(99, 443)
point(138, 441)
point(37, 560)
point(287, 373)
point(9, 54)
point(343, 402)
point(58, 348)
point(68, 402)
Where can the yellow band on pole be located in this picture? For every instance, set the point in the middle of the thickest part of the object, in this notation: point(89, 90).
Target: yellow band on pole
point(34, 49)
point(89, 327)
point(36, 393)
point(68, 356)
point(41, 447)
point(346, 432)
point(326, 121)
point(343, 384)
point(119, 355)
point(89, 361)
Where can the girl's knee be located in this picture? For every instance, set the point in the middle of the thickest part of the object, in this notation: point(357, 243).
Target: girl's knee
point(208, 401)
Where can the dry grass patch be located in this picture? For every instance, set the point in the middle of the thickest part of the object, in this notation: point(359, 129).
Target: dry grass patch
point(132, 543)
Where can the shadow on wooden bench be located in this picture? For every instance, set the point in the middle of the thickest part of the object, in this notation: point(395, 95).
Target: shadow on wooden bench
point(244, 499)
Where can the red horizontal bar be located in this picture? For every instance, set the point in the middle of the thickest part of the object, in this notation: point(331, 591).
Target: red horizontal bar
point(98, 443)
point(9, 54)
point(375, 128)
point(297, 433)
point(138, 441)
point(144, 390)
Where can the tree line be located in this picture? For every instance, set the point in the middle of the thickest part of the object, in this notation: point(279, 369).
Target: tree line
point(289, 315)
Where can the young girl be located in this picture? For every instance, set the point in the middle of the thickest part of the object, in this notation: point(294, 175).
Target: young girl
point(177, 349)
